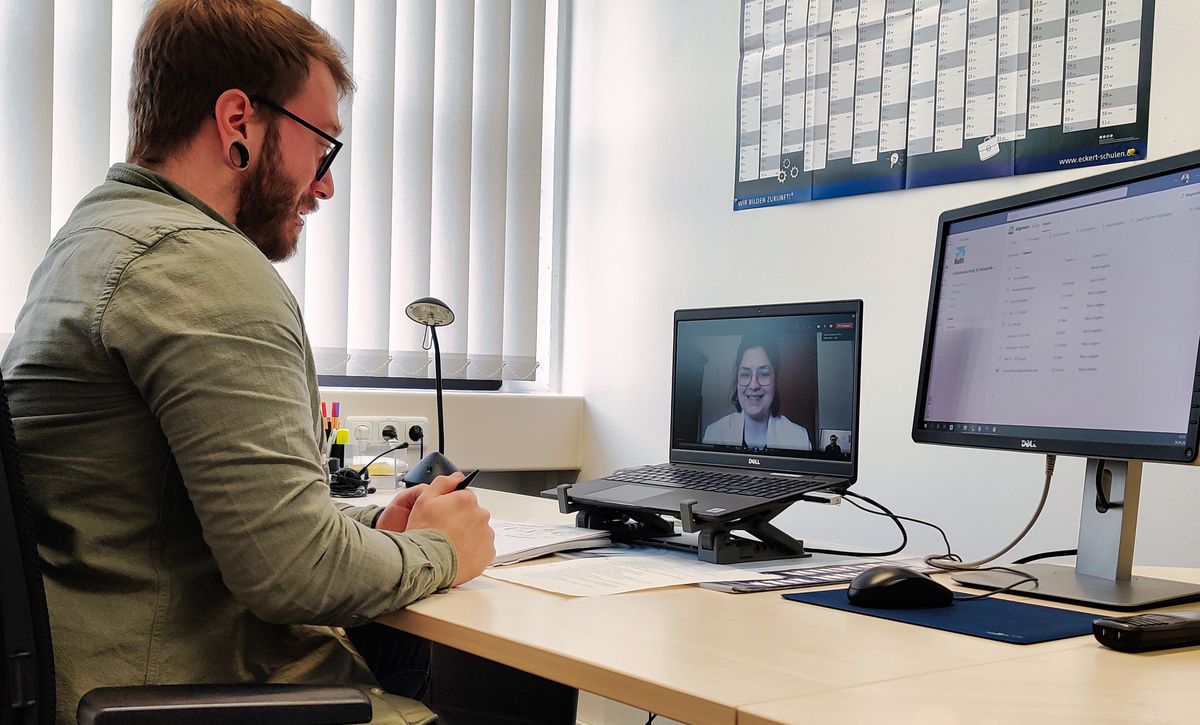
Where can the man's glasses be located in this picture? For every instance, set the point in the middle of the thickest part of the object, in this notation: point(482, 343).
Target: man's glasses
point(765, 375)
point(331, 150)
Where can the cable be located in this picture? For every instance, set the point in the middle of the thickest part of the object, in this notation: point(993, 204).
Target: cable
point(362, 472)
point(349, 483)
point(886, 512)
point(1046, 555)
point(939, 561)
point(949, 553)
point(346, 483)
point(1025, 578)
point(951, 561)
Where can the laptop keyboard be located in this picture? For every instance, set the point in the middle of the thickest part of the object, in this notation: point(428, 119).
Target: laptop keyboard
point(720, 482)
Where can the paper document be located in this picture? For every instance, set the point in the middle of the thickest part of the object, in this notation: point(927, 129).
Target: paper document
point(591, 577)
point(813, 575)
point(517, 541)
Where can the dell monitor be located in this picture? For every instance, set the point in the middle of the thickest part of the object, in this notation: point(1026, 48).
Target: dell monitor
point(1067, 321)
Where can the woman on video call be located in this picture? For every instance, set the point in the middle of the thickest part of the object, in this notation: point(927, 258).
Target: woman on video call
point(756, 424)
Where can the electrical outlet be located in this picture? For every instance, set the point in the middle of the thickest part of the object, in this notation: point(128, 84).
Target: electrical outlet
point(415, 430)
point(362, 430)
point(365, 429)
point(390, 429)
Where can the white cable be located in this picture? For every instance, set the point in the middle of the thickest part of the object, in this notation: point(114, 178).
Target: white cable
point(941, 561)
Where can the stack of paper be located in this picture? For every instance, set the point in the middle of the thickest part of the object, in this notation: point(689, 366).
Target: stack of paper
point(519, 541)
point(813, 575)
point(619, 574)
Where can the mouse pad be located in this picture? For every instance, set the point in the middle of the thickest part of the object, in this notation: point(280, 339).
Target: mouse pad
point(998, 619)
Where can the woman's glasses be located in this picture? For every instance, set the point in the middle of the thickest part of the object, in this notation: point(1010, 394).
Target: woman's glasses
point(765, 375)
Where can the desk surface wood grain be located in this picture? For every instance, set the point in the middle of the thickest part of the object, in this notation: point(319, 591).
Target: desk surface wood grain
point(700, 656)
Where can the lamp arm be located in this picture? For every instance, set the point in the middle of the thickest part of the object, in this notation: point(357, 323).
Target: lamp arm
point(437, 369)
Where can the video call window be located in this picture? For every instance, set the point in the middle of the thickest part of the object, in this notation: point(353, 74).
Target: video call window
point(775, 385)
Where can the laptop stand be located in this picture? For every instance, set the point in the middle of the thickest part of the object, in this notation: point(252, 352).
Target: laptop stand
point(716, 540)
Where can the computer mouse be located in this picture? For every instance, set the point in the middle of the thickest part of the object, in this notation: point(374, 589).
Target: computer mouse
point(896, 587)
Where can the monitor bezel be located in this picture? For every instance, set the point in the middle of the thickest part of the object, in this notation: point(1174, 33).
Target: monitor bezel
point(1049, 443)
point(816, 466)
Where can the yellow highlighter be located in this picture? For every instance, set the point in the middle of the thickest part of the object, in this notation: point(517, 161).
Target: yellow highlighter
point(338, 449)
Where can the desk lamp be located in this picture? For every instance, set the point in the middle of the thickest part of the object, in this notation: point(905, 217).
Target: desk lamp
point(433, 313)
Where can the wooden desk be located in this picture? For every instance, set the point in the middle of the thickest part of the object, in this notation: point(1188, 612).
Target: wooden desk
point(700, 656)
point(1085, 684)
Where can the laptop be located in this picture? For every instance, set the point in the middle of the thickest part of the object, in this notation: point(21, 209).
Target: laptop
point(764, 410)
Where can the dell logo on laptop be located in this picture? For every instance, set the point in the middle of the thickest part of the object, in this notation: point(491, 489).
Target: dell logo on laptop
point(1028, 444)
point(753, 461)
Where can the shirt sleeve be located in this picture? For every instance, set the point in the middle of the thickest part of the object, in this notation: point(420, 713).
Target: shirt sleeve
point(212, 339)
point(365, 515)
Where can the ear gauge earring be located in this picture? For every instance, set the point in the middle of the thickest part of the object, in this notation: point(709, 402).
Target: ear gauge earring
point(239, 155)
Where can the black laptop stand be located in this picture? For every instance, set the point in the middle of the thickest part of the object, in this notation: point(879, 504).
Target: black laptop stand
point(716, 541)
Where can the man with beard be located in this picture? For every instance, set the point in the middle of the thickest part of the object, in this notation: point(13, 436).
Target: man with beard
point(165, 399)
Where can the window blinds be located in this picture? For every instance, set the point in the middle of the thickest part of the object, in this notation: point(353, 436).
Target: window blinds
point(438, 192)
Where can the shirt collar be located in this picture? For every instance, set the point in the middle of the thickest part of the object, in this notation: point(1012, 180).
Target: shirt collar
point(144, 178)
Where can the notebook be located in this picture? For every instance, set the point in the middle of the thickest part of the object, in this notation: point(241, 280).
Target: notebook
point(517, 541)
point(764, 409)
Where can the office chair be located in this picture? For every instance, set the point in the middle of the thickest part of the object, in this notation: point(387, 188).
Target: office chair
point(27, 694)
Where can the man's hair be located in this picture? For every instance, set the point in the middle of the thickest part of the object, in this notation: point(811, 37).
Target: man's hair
point(769, 346)
point(189, 52)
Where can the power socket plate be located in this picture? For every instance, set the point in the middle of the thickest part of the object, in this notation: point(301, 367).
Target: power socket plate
point(368, 429)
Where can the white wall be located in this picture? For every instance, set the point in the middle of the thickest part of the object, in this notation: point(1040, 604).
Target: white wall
point(649, 229)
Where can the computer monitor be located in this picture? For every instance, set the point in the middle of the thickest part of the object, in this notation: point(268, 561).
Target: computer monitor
point(1067, 321)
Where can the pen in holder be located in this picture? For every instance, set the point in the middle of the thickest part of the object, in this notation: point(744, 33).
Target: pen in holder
point(337, 447)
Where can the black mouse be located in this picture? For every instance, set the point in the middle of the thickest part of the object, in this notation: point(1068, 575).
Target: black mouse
point(895, 587)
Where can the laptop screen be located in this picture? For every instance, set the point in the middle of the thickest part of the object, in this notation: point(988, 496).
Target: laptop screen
point(772, 387)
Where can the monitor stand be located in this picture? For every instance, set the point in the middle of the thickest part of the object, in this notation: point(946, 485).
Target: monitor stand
point(1102, 575)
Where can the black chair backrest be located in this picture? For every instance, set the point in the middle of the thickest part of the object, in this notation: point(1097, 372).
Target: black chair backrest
point(27, 669)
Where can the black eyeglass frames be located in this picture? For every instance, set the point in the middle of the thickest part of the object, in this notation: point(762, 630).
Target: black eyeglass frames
point(331, 151)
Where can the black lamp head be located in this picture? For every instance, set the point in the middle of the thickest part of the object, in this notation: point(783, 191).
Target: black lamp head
point(428, 468)
point(430, 311)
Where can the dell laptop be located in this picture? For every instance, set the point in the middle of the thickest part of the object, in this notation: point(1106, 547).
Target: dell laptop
point(764, 409)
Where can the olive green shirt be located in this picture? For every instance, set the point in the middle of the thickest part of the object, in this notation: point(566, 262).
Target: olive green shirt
point(165, 402)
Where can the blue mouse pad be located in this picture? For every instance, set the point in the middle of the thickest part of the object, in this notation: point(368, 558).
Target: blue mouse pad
point(998, 619)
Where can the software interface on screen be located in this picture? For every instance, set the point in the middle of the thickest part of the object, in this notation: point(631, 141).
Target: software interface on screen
point(778, 385)
point(1081, 313)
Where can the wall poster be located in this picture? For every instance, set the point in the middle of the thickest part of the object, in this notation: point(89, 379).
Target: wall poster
point(842, 97)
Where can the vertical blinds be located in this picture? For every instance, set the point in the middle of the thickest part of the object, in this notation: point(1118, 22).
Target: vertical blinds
point(438, 191)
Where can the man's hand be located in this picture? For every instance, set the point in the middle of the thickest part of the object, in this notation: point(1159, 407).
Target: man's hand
point(464, 521)
point(395, 516)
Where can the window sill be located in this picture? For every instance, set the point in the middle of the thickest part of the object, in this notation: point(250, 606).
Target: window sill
point(489, 430)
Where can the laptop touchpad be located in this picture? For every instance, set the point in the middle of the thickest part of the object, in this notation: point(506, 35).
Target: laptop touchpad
point(628, 493)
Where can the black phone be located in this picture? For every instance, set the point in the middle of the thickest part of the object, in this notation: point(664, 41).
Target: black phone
point(1145, 632)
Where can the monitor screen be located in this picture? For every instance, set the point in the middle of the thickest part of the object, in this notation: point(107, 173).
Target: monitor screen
point(1068, 320)
point(779, 382)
